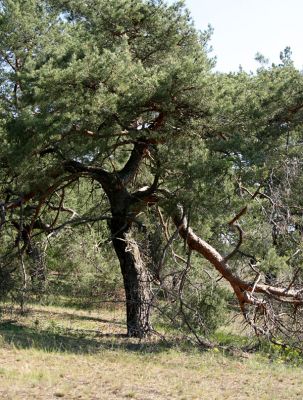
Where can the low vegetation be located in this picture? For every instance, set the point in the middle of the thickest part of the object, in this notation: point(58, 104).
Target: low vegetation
point(55, 352)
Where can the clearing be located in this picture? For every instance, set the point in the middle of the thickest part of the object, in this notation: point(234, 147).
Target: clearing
point(54, 352)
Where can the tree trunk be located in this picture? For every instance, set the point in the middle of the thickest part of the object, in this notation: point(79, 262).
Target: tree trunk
point(124, 207)
point(137, 280)
point(37, 270)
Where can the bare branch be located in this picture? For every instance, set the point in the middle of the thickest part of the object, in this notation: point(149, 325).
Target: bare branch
point(248, 293)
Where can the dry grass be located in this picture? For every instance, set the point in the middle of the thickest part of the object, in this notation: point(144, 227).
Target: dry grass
point(62, 353)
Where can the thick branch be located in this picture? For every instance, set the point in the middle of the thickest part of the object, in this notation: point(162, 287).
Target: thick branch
point(146, 194)
point(130, 169)
point(242, 288)
point(97, 173)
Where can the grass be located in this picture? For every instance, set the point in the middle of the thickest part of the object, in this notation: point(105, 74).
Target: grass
point(54, 352)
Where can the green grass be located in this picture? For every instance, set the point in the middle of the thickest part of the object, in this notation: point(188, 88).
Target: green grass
point(54, 352)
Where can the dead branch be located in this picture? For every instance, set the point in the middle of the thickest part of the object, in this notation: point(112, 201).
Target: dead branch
point(240, 241)
point(249, 293)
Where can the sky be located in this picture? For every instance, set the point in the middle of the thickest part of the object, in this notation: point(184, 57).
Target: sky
point(244, 27)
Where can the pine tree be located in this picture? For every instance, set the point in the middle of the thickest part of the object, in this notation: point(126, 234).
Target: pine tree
point(89, 84)
point(122, 92)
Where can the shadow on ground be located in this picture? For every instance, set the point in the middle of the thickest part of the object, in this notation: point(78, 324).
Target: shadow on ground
point(74, 341)
point(63, 315)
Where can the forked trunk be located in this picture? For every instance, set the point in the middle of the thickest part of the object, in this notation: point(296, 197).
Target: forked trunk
point(137, 282)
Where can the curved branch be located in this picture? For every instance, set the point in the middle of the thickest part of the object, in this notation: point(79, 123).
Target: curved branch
point(242, 288)
point(240, 241)
point(130, 169)
point(145, 194)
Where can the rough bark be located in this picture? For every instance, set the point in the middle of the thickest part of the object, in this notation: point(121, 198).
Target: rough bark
point(37, 269)
point(124, 207)
point(137, 281)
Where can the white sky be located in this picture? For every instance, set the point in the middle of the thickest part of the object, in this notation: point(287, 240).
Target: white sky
point(245, 27)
